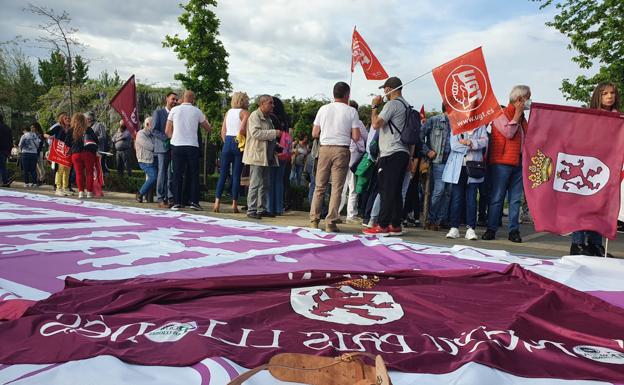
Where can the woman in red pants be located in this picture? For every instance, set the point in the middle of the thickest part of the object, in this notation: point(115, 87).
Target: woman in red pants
point(83, 150)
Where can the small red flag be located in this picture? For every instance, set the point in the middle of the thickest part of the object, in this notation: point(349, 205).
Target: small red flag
point(423, 116)
point(59, 153)
point(465, 87)
point(125, 103)
point(571, 173)
point(361, 53)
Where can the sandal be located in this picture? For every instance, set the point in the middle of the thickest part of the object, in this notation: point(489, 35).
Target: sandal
point(348, 369)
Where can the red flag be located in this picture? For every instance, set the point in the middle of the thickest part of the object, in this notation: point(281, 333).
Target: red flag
point(423, 116)
point(361, 53)
point(59, 153)
point(125, 103)
point(465, 87)
point(571, 173)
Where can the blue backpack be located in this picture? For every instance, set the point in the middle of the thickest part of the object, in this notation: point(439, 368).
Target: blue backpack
point(410, 134)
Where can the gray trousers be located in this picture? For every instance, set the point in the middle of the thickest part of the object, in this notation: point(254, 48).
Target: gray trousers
point(257, 196)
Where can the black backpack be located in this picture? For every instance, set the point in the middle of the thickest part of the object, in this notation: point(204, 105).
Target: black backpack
point(411, 130)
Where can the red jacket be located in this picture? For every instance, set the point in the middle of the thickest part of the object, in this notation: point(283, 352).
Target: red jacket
point(503, 150)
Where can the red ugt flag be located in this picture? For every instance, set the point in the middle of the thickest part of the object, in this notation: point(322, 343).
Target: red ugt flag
point(59, 153)
point(361, 53)
point(465, 88)
point(125, 103)
point(572, 160)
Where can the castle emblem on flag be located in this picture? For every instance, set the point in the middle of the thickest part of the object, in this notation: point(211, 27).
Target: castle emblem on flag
point(578, 174)
point(540, 169)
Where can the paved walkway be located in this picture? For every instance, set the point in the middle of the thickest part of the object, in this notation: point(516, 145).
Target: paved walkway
point(543, 245)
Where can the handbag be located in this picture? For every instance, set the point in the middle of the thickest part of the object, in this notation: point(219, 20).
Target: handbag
point(348, 369)
point(475, 168)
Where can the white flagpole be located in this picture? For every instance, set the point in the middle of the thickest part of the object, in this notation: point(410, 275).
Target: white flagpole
point(606, 247)
point(406, 83)
point(351, 66)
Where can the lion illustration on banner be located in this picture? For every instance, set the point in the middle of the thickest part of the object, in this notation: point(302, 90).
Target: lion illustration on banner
point(580, 174)
point(345, 305)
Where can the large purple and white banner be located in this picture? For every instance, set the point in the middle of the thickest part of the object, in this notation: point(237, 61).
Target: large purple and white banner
point(43, 240)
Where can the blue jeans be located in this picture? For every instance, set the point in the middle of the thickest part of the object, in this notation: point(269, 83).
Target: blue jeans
point(29, 167)
point(185, 161)
point(295, 174)
point(593, 238)
point(164, 192)
point(276, 189)
point(464, 196)
point(440, 197)
point(151, 173)
point(505, 180)
point(230, 155)
point(4, 172)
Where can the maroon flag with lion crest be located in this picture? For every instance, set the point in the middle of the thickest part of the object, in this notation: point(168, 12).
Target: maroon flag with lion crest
point(572, 159)
point(125, 103)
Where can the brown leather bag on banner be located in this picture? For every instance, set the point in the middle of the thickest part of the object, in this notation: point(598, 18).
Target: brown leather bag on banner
point(348, 369)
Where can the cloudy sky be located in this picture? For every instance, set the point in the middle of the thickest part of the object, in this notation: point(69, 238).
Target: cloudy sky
point(301, 48)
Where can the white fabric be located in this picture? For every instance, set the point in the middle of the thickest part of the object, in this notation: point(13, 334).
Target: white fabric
point(232, 122)
point(336, 121)
point(356, 149)
point(186, 118)
point(349, 196)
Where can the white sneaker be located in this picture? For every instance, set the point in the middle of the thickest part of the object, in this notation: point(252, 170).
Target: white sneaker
point(80, 194)
point(453, 233)
point(470, 234)
point(59, 192)
point(89, 195)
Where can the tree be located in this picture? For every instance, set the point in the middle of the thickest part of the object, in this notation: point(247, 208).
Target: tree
point(53, 71)
point(80, 70)
point(19, 89)
point(596, 33)
point(204, 54)
point(58, 35)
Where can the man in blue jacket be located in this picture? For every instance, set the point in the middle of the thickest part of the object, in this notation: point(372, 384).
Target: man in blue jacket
point(164, 192)
point(435, 138)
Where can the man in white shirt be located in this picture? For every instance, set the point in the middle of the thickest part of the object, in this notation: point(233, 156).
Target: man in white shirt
point(182, 124)
point(336, 124)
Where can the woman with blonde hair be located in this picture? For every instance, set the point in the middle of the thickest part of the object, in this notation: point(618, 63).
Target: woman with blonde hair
point(234, 124)
point(83, 149)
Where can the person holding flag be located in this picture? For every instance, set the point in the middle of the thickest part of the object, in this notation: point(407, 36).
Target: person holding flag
point(505, 163)
point(606, 98)
point(394, 156)
point(436, 146)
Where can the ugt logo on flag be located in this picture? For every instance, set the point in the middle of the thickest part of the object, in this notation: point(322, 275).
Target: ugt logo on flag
point(465, 88)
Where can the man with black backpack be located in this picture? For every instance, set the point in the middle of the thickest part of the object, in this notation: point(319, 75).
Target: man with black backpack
point(399, 135)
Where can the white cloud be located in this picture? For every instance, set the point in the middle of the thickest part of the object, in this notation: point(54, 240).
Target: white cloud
point(301, 49)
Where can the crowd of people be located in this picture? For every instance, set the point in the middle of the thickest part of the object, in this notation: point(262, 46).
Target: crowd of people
point(452, 182)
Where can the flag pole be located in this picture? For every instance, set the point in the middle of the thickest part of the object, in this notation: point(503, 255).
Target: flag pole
point(404, 84)
point(351, 65)
point(606, 247)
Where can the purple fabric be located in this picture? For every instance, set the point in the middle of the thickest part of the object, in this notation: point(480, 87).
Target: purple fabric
point(419, 321)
